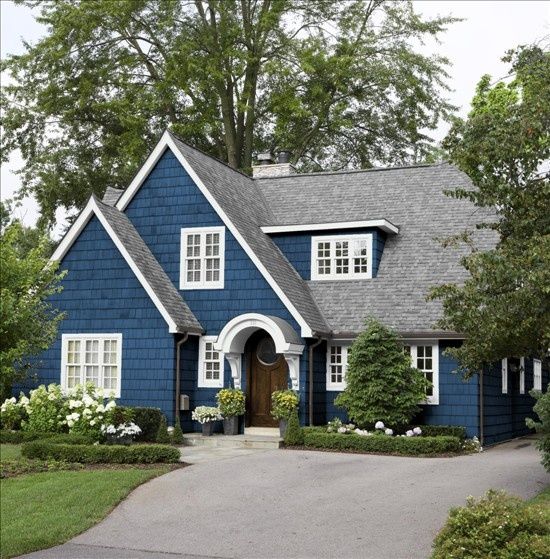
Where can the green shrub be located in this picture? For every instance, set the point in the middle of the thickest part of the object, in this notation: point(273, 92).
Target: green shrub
point(542, 409)
point(442, 430)
point(162, 433)
point(101, 454)
point(177, 435)
point(18, 437)
point(496, 526)
point(393, 445)
point(294, 435)
point(283, 403)
point(12, 413)
point(381, 384)
point(46, 410)
point(231, 402)
point(147, 419)
point(69, 438)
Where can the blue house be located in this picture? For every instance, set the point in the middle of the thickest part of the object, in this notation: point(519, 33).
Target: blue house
point(198, 277)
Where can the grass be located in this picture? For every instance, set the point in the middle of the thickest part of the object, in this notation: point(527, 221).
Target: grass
point(46, 509)
point(10, 451)
point(543, 498)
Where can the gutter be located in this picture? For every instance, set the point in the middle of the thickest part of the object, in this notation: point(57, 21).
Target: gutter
point(310, 363)
point(179, 343)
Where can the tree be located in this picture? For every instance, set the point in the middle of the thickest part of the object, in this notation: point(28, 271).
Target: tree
point(28, 322)
point(542, 409)
point(338, 84)
point(381, 384)
point(503, 307)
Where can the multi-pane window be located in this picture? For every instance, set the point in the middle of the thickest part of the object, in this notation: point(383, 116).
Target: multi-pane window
point(537, 374)
point(210, 363)
point(522, 375)
point(337, 362)
point(202, 258)
point(94, 358)
point(504, 376)
point(346, 257)
point(425, 357)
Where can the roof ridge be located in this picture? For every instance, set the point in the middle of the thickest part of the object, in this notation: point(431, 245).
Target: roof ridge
point(357, 171)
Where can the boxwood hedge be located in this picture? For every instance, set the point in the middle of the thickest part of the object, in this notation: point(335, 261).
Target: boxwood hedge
point(101, 454)
point(411, 446)
point(442, 430)
point(147, 419)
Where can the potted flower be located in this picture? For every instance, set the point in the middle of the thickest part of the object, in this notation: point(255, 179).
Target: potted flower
point(231, 402)
point(206, 416)
point(283, 403)
point(123, 434)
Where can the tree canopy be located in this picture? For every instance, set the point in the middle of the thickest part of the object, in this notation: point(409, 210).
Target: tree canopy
point(338, 84)
point(504, 146)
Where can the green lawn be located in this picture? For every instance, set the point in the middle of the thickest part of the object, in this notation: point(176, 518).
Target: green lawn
point(543, 498)
point(45, 509)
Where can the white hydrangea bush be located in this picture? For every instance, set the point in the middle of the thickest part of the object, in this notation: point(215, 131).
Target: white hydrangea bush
point(206, 414)
point(124, 433)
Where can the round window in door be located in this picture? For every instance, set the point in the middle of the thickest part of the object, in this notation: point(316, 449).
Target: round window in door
point(266, 353)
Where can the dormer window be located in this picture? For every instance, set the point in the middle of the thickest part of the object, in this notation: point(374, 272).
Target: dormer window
point(202, 258)
point(341, 257)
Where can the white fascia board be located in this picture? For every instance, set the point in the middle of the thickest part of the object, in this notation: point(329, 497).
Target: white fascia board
point(75, 230)
point(167, 142)
point(382, 224)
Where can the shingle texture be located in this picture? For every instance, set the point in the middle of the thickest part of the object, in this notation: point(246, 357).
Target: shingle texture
point(244, 205)
point(112, 195)
point(413, 261)
point(152, 271)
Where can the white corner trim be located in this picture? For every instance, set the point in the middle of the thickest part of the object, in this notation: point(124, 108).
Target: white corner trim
point(314, 272)
point(202, 382)
point(203, 284)
point(80, 336)
point(167, 142)
point(75, 230)
point(382, 224)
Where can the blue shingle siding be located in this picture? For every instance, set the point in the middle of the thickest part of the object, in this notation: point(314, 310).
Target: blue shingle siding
point(102, 295)
point(297, 247)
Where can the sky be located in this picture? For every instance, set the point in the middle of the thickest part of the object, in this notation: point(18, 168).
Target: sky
point(474, 46)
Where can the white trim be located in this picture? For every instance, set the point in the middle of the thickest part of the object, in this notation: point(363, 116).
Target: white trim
point(65, 338)
point(537, 374)
point(336, 386)
point(202, 231)
point(202, 381)
point(93, 209)
point(315, 276)
point(432, 400)
point(167, 142)
point(382, 224)
point(522, 375)
point(504, 374)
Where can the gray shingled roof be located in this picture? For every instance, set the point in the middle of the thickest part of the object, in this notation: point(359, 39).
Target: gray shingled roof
point(240, 198)
point(413, 260)
point(112, 195)
point(156, 277)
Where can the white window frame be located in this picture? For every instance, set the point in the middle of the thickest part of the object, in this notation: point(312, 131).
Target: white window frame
point(333, 239)
point(339, 386)
point(202, 381)
point(537, 374)
point(432, 400)
point(504, 380)
point(522, 375)
point(83, 338)
point(202, 232)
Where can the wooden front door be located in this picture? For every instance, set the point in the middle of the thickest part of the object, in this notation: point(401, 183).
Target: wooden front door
point(268, 372)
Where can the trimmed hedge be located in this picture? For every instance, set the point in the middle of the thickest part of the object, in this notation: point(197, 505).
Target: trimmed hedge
point(147, 419)
point(442, 431)
point(378, 443)
point(101, 454)
point(18, 437)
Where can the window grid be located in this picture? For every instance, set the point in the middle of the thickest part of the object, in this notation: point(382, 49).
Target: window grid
point(537, 374)
point(92, 358)
point(210, 364)
point(202, 258)
point(425, 358)
point(337, 363)
point(341, 257)
point(504, 380)
point(522, 375)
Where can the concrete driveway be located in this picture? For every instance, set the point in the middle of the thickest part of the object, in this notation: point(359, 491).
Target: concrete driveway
point(284, 503)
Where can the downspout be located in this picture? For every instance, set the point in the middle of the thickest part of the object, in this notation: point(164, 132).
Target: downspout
point(179, 343)
point(481, 434)
point(310, 407)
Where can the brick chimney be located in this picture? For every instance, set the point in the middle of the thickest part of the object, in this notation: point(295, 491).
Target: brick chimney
point(268, 168)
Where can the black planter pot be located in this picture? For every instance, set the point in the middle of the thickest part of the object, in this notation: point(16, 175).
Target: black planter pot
point(207, 429)
point(283, 424)
point(231, 425)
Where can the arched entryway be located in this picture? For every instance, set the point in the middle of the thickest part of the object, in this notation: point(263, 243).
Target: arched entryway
point(273, 358)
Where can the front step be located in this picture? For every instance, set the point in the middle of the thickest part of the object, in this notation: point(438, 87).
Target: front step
point(238, 441)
